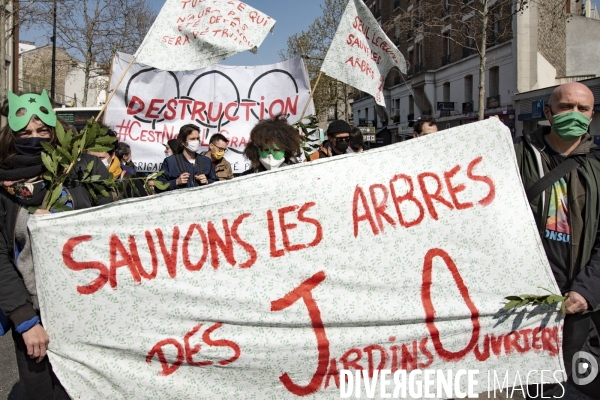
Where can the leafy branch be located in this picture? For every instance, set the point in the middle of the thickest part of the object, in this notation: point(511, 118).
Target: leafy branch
point(308, 130)
point(536, 300)
point(60, 160)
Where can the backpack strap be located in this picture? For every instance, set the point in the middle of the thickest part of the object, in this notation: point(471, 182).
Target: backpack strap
point(180, 163)
point(200, 164)
point(553, 176)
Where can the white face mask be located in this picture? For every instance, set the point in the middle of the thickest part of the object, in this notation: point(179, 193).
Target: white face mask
point(269, 162)
point(193, 145)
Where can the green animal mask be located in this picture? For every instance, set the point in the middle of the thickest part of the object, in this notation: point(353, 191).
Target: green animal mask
point(278, 155)
point(34, 104)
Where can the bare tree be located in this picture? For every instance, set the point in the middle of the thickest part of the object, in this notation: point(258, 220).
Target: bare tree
point(91, 30)
point(313, 44)
point(473, 25)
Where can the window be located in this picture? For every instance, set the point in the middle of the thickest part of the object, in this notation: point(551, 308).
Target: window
point(419, 53)
point(468, 88)
point(446, 92)
point(446, 43)
point(494, 82)
point(397, 31)
point(411, 105)
point(332, 113)
point(397, 102)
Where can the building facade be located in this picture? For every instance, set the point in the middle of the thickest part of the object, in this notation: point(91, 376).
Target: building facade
point(526, 51)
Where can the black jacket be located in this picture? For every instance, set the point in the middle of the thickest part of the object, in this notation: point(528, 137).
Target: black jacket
point(15, 301)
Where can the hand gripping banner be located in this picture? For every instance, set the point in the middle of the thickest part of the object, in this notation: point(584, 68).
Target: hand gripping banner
point(268, 286)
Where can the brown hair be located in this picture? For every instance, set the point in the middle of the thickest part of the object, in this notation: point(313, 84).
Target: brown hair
point(273, 130)
point(7, 135)
point(184, 132)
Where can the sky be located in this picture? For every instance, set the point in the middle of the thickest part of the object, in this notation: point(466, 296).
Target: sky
point(291, 16)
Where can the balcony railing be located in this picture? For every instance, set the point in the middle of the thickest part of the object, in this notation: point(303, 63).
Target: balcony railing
point(396, 4)
point(409, 72)
point(467, 52)
point(446, 60)
point(418, 68)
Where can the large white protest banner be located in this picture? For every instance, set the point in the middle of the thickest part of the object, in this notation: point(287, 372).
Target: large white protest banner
point(360, 53)
point(192, 34)
point(269, 285)
point(151, 105)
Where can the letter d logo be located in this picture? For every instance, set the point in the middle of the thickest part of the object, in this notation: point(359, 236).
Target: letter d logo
point(585, 368)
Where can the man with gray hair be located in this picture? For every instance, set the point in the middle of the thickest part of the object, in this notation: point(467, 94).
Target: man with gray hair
point(561, 176)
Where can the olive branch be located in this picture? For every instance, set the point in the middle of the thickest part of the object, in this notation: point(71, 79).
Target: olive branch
point(308, 129)
point(60, 160)
point(536, 300)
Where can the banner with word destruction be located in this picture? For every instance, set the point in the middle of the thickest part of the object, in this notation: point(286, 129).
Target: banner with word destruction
point(391, 263)
point(151, 105)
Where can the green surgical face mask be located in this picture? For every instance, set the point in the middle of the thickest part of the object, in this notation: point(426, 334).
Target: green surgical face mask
point(278, 155)
point(34, 104)
point(570, 125)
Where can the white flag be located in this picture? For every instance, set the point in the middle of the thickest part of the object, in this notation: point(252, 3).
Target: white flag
point(361, 54)
point(192, 34)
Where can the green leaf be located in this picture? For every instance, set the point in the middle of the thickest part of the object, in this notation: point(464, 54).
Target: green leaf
point(511, 304)
point(513, 298)
point(99, 149)
point(48, 163)
point(65, 154)
point(75, 150)
point(61, 207)
point(88, 169)
point(60, 135)
point(55, 195)
point(95, 178)
point(48, 148)
point(563, 308)
point(105, 140)
point(160, 185)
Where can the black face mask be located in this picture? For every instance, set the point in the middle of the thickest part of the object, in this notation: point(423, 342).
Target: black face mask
point(30, 147)
point(341, 147)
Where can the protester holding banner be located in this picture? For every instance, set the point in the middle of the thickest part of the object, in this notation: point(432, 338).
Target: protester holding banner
point(338, 135)
point(216, 152)
point(31, 121)
point(564, 197)
point(187, 168)
point(273, 144)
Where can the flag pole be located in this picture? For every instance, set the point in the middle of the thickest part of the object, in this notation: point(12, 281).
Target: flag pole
point(112, 62)
point(311, 95)
point(115, 90)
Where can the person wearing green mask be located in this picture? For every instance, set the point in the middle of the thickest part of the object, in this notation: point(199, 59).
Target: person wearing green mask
point(562, 162)
point(273, 144)
point(31, 124)
point(217, 148)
